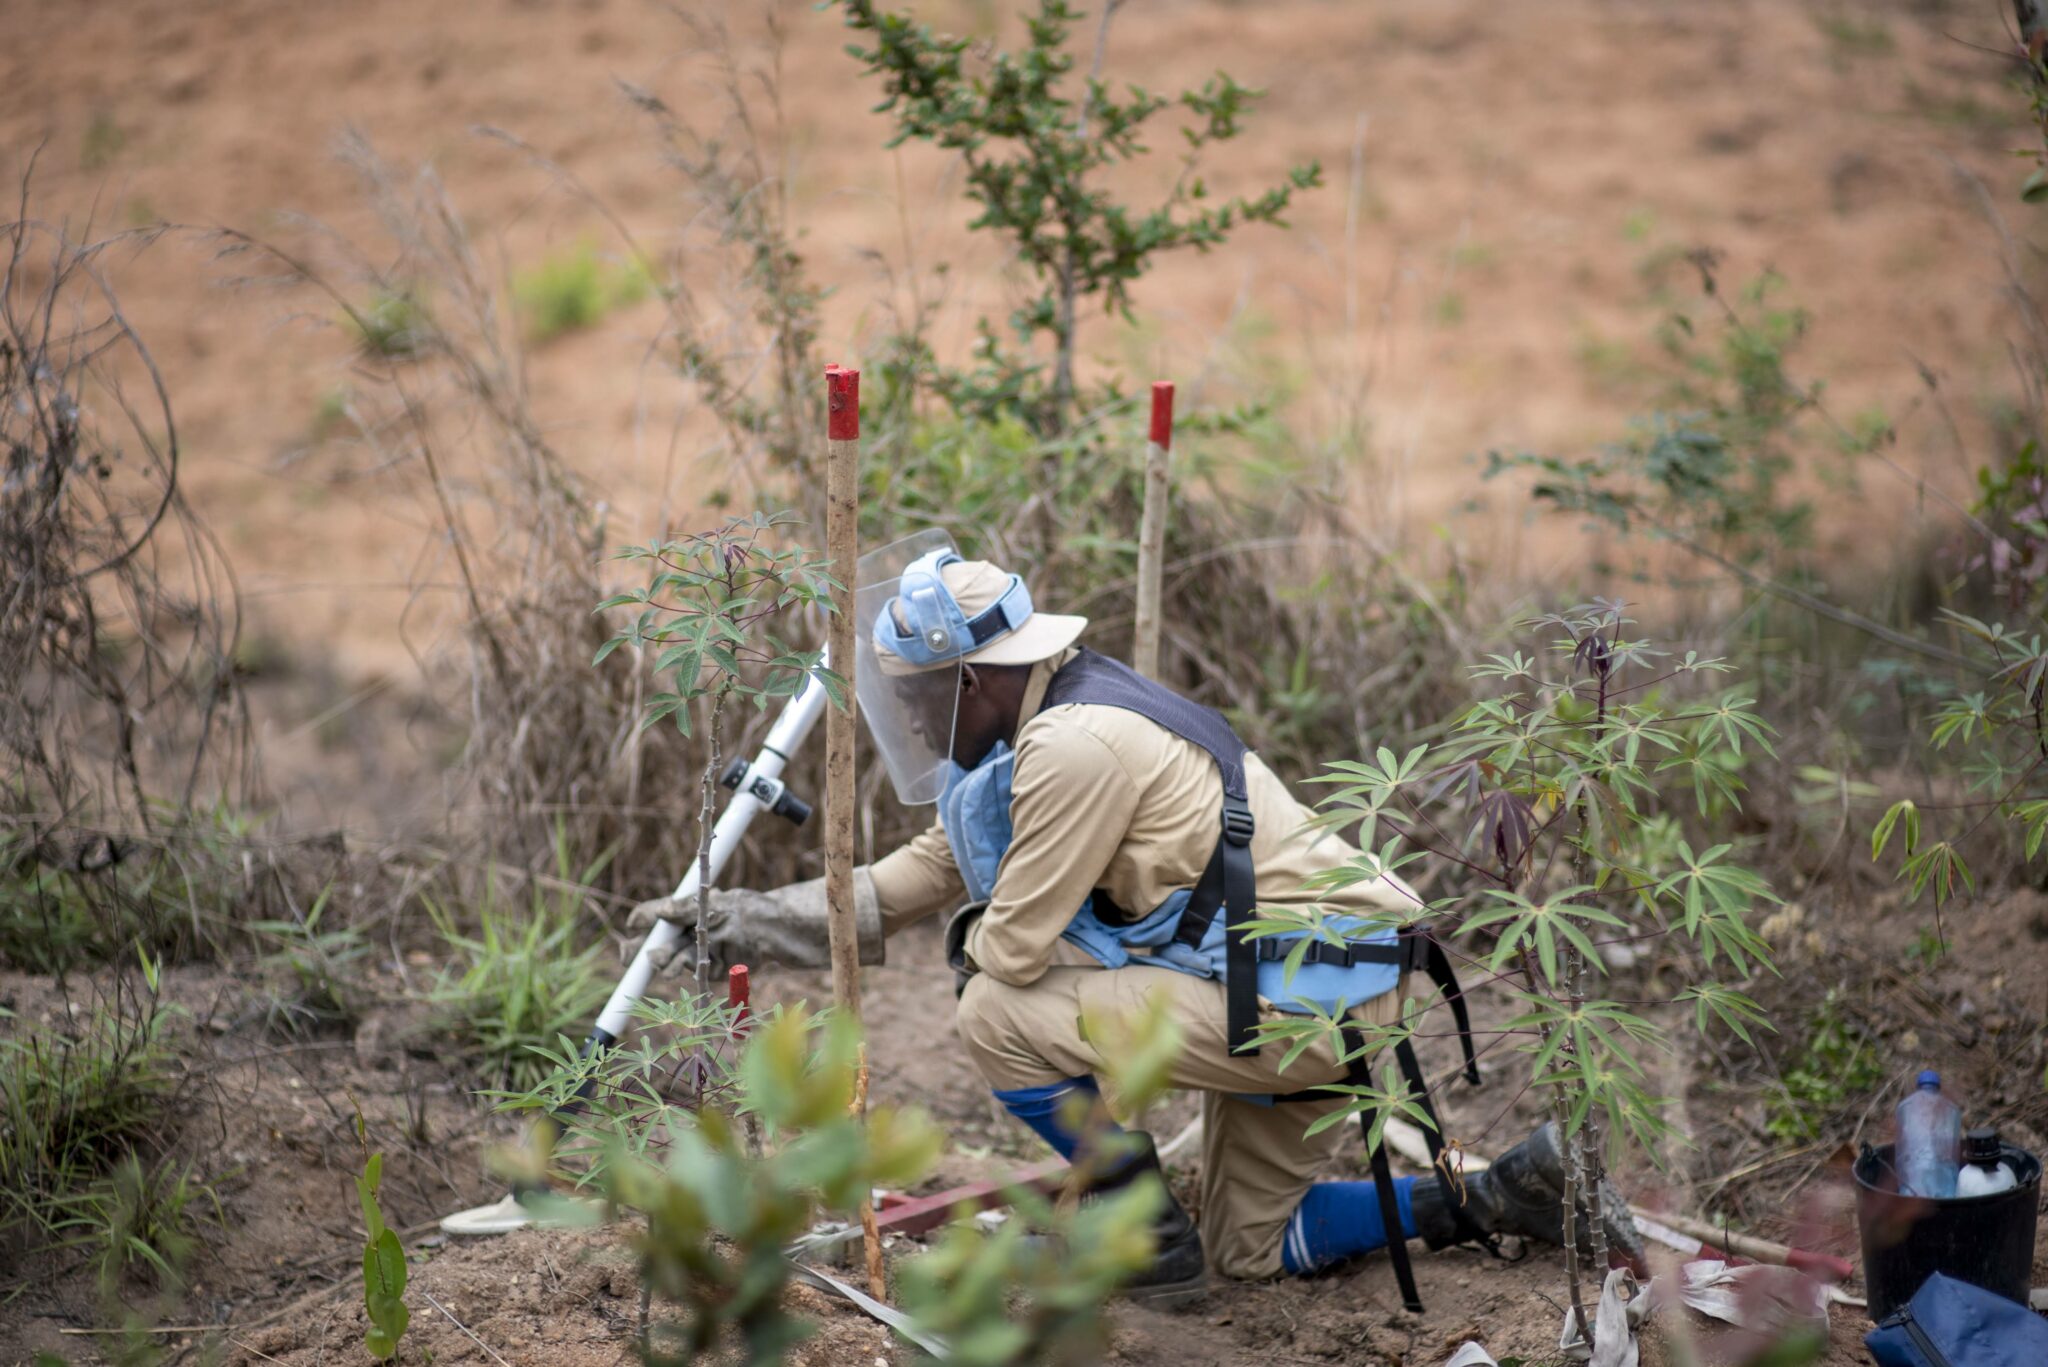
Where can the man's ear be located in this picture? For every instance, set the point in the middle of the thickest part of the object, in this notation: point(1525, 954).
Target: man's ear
point(970, 681)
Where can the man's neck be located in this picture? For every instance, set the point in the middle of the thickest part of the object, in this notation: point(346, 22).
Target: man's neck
point(1035, 686)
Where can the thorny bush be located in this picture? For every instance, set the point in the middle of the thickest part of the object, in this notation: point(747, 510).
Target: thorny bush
point(1037, 146)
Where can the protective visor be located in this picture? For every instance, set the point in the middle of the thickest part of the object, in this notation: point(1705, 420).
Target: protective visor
point(908, 703)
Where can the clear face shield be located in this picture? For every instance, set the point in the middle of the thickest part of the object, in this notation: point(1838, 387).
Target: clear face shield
point(909, 701)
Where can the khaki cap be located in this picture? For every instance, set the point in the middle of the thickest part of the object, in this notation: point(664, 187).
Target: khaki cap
point(975, 586)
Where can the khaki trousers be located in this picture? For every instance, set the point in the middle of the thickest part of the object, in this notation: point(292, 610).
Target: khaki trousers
point(1256, 1164)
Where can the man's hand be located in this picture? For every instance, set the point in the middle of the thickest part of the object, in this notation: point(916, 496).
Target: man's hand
point(786, 926)
point(683, 911)
point(641, 920)
point(957, 958)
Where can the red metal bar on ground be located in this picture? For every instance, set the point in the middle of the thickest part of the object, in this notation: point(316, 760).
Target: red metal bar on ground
point(1825, 1266)
point(922, 1214)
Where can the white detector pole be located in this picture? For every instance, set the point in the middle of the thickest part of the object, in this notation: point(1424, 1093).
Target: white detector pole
point(757, 788)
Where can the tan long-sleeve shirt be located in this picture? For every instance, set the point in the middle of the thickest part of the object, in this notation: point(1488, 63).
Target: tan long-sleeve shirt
point(1105, 798)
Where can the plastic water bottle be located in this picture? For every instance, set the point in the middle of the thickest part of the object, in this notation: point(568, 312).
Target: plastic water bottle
point(1930, 1135)
point(1982, 1173)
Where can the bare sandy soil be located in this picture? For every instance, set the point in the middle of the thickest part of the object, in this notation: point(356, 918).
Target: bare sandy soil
point(1474, 274)
point(1504, 186)
point(280, 1115)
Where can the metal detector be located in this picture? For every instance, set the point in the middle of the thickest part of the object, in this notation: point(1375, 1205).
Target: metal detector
point(756, 787)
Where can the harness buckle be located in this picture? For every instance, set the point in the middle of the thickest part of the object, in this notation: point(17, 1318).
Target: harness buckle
point(1238, 826)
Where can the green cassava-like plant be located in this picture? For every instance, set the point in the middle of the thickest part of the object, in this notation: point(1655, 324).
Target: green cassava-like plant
point(384, 1269)
point(1037, 145)
point(738, 1166)
point(1545, 799)
point(2000, 730)
point(719, 1218)
point(711, 615)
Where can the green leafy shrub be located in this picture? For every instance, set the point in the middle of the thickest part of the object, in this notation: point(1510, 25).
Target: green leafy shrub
point(1834, 1063)
point(1037, 147)
point(574, 290)
point(1012, 1296)
point(1009, 1297)
point(1706, 471)
point(718, 1218)
point(733, 1150)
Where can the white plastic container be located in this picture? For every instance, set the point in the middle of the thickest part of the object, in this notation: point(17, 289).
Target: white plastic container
point(1982, 1173)
point(1930, 1140)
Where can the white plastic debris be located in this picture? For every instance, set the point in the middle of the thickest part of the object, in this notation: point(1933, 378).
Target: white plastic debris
point(1622, 1302)
point(499, 1217)
point(502, 1217)
point(1766, 1299)
point(1472, 1354)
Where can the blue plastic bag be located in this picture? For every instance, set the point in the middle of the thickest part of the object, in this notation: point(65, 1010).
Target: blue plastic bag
point(1951, 1323)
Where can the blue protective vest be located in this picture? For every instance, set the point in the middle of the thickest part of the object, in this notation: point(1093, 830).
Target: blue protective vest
point(975, 811)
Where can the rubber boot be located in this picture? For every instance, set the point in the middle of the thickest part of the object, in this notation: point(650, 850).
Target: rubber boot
point(1178, 1268)
point(1521, 1194)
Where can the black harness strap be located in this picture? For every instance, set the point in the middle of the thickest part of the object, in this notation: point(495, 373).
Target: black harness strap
point(1390, 1220)
point(1229, 884)
point(1359, 1073)
point(1417, 950)
point(1240, 896)
point(1437, 963)
point(1228, 887)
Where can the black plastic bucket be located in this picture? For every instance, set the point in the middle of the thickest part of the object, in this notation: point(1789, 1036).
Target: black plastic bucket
point(1985, 1240)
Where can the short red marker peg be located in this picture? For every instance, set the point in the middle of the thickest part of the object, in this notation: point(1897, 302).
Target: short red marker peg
point(737, 991)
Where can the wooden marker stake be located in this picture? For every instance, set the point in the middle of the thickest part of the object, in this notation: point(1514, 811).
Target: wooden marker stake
point(1152, 532)
point(842, 544)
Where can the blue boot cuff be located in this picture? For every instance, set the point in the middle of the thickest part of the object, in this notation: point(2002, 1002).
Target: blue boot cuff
point(1052, 1110)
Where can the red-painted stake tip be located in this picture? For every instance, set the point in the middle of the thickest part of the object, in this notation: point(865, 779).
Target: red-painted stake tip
point(1162, 413)
point(736, 985)
point(842, 408)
